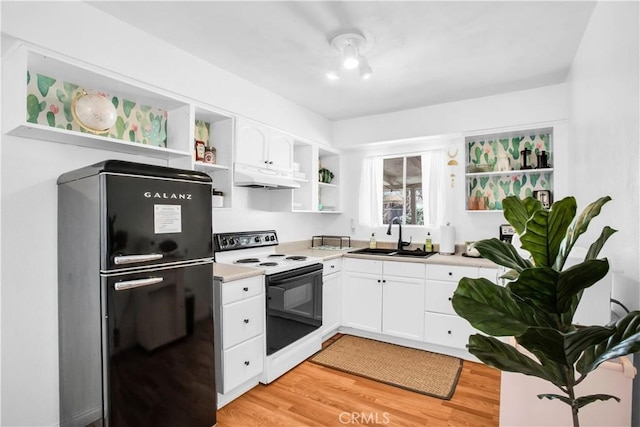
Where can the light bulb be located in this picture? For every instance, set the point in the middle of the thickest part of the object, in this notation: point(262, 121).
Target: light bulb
point(365, 68)
point(334, 69)
point(350, 57)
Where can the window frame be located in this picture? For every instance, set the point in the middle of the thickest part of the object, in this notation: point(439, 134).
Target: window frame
point(404, 157)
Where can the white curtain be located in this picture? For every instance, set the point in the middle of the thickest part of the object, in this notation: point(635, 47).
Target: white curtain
point(434, 187)
point(370, 197)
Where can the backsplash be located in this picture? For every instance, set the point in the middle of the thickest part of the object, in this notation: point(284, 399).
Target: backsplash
point(49, 104)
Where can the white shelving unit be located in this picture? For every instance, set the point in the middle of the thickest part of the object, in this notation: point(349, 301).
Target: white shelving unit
point(494, 185)
point(181, 113)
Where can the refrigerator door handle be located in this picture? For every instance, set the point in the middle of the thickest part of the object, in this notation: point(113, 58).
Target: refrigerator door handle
point(130, 284)
point(129, 259)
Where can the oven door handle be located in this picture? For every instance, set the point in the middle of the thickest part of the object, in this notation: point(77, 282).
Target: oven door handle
point(279, 282)
point(130, 259)
point(131, 284)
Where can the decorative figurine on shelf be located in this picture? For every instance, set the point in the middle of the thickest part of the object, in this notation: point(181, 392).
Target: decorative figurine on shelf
point(200, 150)
point(325, 175)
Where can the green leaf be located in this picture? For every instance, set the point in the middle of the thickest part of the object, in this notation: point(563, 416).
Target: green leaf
point(518, 211)
point(625, 340)
point(546, 229)
point(579, 402)
point(490, 308)
point(578, 226)
point(596, 246)
point(538, 286)
point(577, 278)
point(44, 83)
point(127, 106)
point(578, 341)
point(502, 253)
point(494, 352)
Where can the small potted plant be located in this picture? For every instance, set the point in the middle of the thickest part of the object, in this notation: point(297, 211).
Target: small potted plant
point(537, 306)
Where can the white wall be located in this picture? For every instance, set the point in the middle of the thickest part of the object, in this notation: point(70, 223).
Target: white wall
point(29, 169)
point(604, 133)
point(472, 115)
point(543, 106)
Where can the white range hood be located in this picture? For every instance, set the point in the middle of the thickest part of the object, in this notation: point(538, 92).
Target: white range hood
point(252, 176)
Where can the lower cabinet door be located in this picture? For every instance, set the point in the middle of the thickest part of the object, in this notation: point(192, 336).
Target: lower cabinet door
point(331, 302)
point(403, 307)
point(243, 362)
point(447, 330)
point(362, 307)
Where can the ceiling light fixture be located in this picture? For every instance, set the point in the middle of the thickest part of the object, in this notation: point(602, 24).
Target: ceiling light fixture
point(350, 49)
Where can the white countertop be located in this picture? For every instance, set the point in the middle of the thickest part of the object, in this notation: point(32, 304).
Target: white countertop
point(230, 272)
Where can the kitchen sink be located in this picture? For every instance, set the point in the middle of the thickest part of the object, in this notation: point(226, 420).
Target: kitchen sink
point(375, 251)
point(394, 252)
point(417, 254)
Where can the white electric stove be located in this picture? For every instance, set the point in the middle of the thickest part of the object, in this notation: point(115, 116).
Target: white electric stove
point(256, 249)
point(293, 290)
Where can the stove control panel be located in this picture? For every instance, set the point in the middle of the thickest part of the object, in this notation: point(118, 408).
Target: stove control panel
point(244, 240)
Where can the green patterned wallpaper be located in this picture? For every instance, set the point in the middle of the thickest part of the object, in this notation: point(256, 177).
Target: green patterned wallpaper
point(49, 104)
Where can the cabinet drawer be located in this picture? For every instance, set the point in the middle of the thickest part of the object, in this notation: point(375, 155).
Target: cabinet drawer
point(242, 363)
point(369, 266)
point(438, 296)
point(242, 289)
point(450, 273)
point(447, 330)
point(332, 266)
point(242, 320)
point(404, 269)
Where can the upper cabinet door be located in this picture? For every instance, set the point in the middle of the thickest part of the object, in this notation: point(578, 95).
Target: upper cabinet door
point(251, 143)
point(280, 151)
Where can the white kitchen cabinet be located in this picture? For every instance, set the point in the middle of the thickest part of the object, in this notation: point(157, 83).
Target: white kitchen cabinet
point(496, 167)
point(260, 146)
point(385, 297)
point(54, 124)
point(442, 326)
point(331, 297)
point(239, 309)
point(362, 300)
point(314, 195)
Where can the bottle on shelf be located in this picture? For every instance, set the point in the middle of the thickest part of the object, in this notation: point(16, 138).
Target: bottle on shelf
point(372, 241)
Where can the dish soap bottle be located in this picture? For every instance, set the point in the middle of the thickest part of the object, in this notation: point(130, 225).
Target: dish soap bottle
point(372, 241)
point(428, 245)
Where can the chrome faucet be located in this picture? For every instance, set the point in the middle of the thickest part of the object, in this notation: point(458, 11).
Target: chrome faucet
point(401, 244)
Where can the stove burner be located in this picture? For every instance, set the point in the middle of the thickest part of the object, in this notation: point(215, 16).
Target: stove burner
point(276, 255)
point(268, 264)
point(296, 258)
point(247, 261)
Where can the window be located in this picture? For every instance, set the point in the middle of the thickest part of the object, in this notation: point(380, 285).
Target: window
point(402, 190)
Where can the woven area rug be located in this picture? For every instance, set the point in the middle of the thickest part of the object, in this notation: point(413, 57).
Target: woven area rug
point(421, 371)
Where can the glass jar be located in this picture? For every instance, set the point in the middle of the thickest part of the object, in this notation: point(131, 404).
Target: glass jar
point(210, 155)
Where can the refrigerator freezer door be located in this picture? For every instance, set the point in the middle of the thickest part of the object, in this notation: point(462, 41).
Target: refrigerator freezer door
point(150, 221)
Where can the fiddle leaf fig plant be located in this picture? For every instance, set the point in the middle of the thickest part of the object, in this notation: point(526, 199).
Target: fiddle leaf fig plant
point(538, 304)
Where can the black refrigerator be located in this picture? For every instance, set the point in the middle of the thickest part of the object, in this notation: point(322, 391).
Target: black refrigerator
point(135, 297)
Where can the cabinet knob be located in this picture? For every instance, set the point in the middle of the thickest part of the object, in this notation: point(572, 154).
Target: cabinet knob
point(246, 320)
point(245, 289)
point(379, 280)
point(266, 162)
point(449, 332)
point(384, 281)
point(449, 298)
point(247, 363)
point(271, 162)
point(450, 273)
point(333, 266)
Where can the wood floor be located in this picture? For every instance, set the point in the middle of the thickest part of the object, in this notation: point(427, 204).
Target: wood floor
point(312, 395)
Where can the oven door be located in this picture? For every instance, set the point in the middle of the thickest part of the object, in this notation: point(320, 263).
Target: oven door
point(294, 305)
